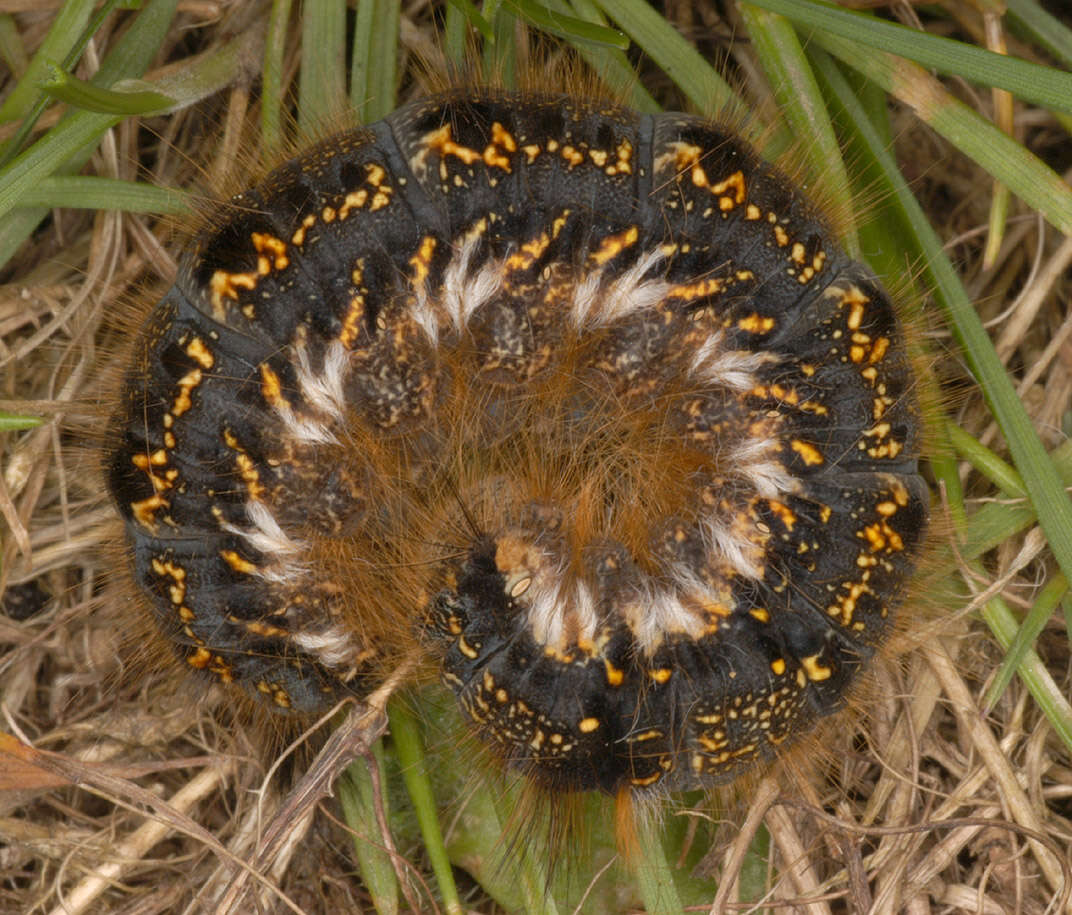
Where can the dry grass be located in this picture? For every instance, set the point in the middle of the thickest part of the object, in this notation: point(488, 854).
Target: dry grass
point(142, 796)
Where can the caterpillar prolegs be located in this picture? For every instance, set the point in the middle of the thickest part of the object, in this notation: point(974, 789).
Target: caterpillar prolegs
point(586, 406)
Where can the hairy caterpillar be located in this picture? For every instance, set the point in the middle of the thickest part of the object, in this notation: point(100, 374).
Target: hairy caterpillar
point(585, 406)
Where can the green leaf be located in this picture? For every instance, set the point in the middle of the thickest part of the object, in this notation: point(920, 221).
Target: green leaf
point(14, 422)
point(119, 99)
point(374, 62)
point(90, 192)
point(357, 798)
point(571, 28)
point(708, 91)
point(1031, 82)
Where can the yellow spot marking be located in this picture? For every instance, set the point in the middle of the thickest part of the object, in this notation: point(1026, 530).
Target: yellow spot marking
point(248, 472)
point(856, 315)
point(271, 387)
point(351, 324)
point(422, 259)
point(761, 614)
point(156, 459)
point(224, 285)
point(752, 212)
point(611, 246)
point(698, 290)
point(197, 351)
point(780, 236)
point(440, 140)
point(809, 453)
point(355, 200)
point(572, 156)
point(734, 183)
point(200, 658)
point(614, 675)
point(661, 675)
point(275, 247)
point(622, 165)
point(756, 323)
point(187, 384)
point(587, 725)
point(298, 238)
point(530, 252)
point(500, 140)
point(466, 649)
point(237, 562)
point(265, 630)
point(778, 666)
point(796, 253)
point(814, 670)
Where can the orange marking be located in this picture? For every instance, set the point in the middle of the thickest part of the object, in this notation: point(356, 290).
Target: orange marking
point(271, 387)
point(200, 658)
point(440, 140)
point(809, 453)
point(613, 245)
point(698, 290)
point(266, 630)
point(614, 676)
point(785, 514)
point(224, 285)
point(144, 510)
point(200, 353)
point(275, 247)
point(422, 260)
point(238, 563)
point(756, 323)
point(351, 324)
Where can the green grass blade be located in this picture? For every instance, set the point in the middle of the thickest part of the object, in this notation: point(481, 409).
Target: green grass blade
point(15, 422)
point(63, 34)
point(357, 798)
point(986, 462)
point(1032, 21)
point(610, 64)
point(12, 53)
point(700, 82)
point(789, 74)
point(652, 873)
point(90, 192)
point(1035, 621)
point(129, 58)
point(460, 12)
point(552, 20)
point(407, 738)
point(373, 64)
point(1031, 82)
point(64, 87)
point(322, 81)
point(275, 46)
point(1025, 175)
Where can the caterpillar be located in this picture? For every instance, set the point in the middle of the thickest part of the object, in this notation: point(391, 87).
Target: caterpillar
point(586, 407)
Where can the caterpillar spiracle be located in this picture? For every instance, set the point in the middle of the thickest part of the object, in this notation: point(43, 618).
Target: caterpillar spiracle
point(587, 407)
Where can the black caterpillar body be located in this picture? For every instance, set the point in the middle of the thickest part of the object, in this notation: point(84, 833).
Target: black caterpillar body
point(586, 405)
